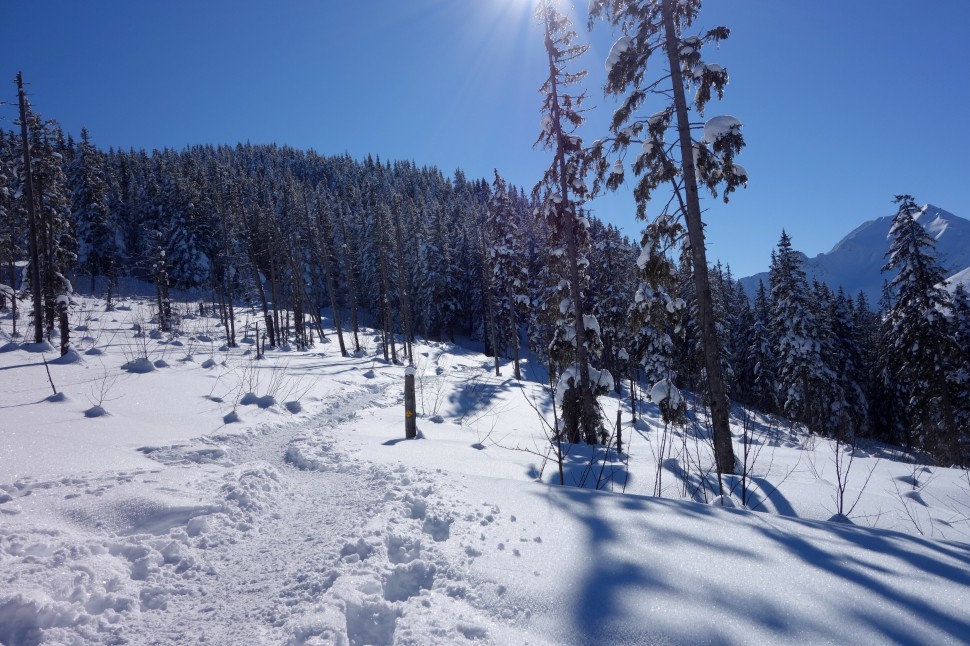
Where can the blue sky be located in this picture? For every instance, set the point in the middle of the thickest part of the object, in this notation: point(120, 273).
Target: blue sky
point(845, 103)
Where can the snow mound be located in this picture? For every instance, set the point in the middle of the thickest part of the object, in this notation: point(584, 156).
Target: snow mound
point(139, 366)
point(71, 356)
point(43, 346)
point(95, 411)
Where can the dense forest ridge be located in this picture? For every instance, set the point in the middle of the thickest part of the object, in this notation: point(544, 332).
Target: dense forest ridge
point(296, 232)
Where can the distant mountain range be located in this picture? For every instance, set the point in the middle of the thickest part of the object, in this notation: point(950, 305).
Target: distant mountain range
point(856, 261)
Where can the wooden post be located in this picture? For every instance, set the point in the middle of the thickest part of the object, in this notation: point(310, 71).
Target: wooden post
point(410, 420)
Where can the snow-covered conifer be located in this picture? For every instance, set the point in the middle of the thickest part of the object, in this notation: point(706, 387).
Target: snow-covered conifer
point(561, 190)
point(801, 370)
point(98, 253)
point(684, 163)
point(918, 333)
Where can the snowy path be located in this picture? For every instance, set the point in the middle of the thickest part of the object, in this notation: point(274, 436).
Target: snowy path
point(275, 535)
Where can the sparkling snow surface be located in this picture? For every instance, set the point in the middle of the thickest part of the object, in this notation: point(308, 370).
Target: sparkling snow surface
point(311, 520)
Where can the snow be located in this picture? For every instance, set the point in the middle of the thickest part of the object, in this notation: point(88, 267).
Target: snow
point(599, 378)
point(856, 261)
point(665, 390)
point(155, 522)
point(718, 127)
point(616, 51)
point(656, 118)
point(546, 124)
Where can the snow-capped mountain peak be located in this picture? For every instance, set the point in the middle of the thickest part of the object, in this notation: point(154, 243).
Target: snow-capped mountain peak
point(855, 262)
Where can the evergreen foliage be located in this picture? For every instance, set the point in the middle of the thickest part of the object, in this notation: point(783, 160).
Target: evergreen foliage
point(918, 334)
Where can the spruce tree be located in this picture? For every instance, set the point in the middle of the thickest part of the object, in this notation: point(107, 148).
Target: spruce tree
point(801, 370)
point(561, 186)
point(657, 311)
point(508, 277)
point(959, 364)
point(761, 355)
point(659, 27)
point(918, 333)
point(98, 253)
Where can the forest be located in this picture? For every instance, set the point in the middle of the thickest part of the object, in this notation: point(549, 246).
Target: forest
point(415, 252)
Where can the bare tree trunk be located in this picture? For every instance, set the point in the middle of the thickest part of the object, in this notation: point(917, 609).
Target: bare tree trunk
point(619, 430)
point(350, 264)
point(515, 335)
point(13, 298)
point(720, 410)
point(65, 327)
point(319, 239)
point(262, 300)
point(276, 325)
point(492, 332)
point(402, 285)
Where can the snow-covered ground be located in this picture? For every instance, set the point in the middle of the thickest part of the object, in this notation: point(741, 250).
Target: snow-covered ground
point(306, 518)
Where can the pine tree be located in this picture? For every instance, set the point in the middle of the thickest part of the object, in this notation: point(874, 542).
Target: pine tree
point(761, 354)
point(848, 363)
point(888, 399)
point(657, 311)
point(508, 279)
point(98, 253)
point(561, 115)
point(13, 225)
point(651, 27)
point(918, 333)
point(801, 370)
point(959, 364)
point(55, 234)
point(613, 279)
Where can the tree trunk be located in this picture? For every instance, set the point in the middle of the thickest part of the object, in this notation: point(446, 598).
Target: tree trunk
point(567, 219)
point(262, 299)
point(13, 298)
point(402, 286)
point(65, 327)
point(720, 411)
point(35, 279)
point(323, 249)
point(350, 264)
point(515, 336)
point(490, 318)
point(619, 430)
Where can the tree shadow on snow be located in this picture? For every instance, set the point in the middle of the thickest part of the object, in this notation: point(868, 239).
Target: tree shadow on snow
point(584, 466)
point(739, 586)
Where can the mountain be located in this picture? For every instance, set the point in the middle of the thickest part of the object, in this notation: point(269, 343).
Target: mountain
point(855, 262)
